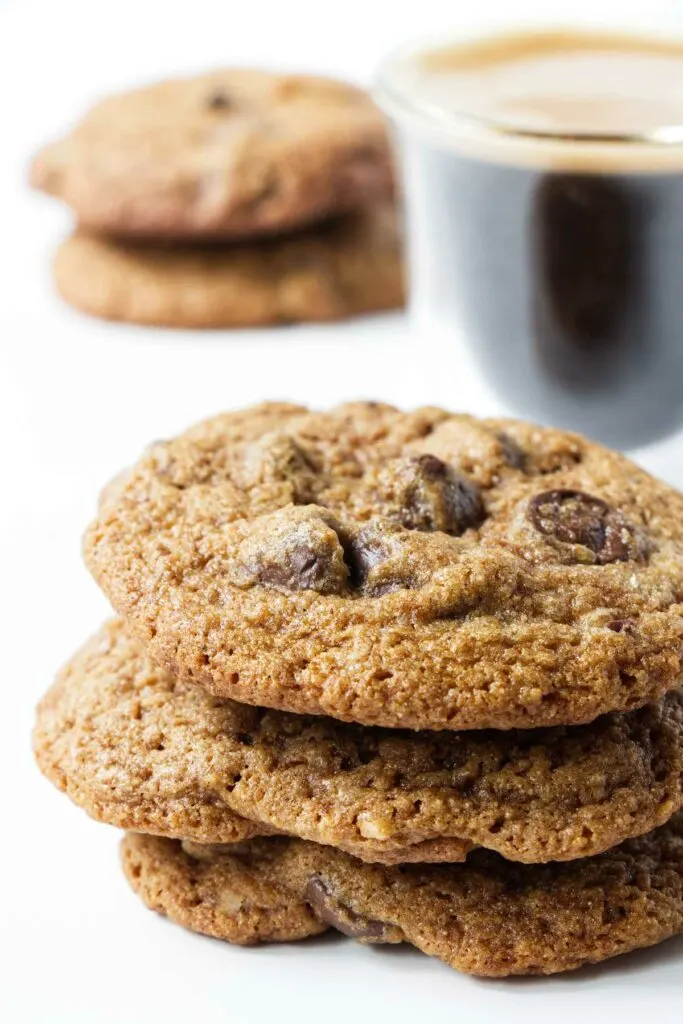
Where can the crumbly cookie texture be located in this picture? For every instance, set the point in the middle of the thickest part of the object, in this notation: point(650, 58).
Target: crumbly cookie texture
point(237, 898)
point(228, 154)
point(487, 917)
point(420, 569)
point(139, 749)
point(342, 269)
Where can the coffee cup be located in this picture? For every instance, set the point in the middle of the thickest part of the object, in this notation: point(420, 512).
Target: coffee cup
point(543, 188)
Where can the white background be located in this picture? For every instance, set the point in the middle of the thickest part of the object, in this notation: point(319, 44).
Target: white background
point(79, 399)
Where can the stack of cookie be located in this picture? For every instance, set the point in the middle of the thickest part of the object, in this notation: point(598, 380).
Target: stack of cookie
point(183, 192)
point(413, 676)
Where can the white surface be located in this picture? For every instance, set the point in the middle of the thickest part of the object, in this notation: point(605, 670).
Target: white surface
point(78, 399)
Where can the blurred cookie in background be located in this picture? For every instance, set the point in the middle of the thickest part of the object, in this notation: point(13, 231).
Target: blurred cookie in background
point(341, 269)
point(229, 154)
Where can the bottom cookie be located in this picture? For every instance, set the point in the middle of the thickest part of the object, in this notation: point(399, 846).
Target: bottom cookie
point(338, 270)
point(488, 917)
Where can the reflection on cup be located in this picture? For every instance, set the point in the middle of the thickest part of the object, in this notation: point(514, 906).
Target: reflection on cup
point(585, 264)
point(543, 178)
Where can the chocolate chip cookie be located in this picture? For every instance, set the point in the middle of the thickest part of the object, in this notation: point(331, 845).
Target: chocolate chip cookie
point(345, 268)
point(229, 154)
point(486, 917)
point(424, 569)
point(237, 898)
point(139, 749)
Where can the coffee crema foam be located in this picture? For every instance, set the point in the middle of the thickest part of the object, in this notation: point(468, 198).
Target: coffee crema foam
point(566, 99)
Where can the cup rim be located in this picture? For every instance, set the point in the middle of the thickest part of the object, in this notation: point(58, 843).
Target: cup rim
point(402, 100)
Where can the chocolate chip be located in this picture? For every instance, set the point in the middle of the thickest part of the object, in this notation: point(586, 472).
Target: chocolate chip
point(432, 468)
point(304, 568)
point(612, 914)
point(433, 496)
point(296, 548)
point(512, 453)
point(362, 554)
point(219, 100)
point(573, 517)
point(622, 626)
point(365, 555)
point(332, 911)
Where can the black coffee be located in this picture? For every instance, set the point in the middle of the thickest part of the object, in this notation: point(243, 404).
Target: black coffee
point(561, 258)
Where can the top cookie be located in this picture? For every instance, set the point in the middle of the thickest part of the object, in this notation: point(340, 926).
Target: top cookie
point(418, 569)
point(227, 154)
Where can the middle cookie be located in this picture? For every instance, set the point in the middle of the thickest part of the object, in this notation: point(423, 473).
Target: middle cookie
point(140, 749)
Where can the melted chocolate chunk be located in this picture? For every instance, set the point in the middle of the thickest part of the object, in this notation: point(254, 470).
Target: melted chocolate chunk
point(368, 551)
point(295, 549)
point(433, 496)
point(573, 517)
point(304, 568)
point(363, 554)
point(332, 911)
